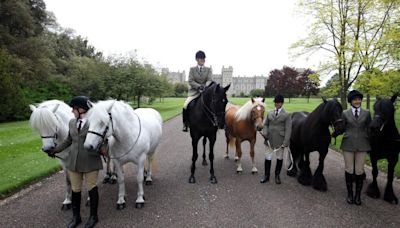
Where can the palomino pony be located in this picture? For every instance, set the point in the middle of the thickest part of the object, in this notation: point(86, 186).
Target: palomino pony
point(385, 144)
point(50, 119)
point(242, 124)
point(135, 137)
point(310, 132)
point(207, 114)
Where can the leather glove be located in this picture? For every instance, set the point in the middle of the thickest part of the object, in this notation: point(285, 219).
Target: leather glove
point(51, 152)
point(201, 89)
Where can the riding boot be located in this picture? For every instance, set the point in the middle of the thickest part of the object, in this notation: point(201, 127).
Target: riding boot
point(267, 168)
point(349, 186)
point(185, 120)
point(76, 210)
point(278, 171)
point(94, 203)
point(359, 185)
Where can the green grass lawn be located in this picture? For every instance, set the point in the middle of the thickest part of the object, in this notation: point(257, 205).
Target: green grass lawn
point(22, 161)
point(298, 104)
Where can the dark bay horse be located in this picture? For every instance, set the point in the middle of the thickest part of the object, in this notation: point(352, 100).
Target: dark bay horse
point(206, 115)
point(310, 132)
point(242, 124)
point(385, 144)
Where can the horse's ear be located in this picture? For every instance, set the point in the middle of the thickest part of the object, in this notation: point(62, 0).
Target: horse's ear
point(393, 98)
point(252, 100)
point(32, 107)
point(110, 107)
point(227, 87)
point(324, 99)
point(55, 108)
point(378, 98)
point(263, 100)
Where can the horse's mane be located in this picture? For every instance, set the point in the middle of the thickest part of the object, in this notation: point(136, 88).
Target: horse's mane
point(316, 116)
point(244, 112)
point(43, 118)
point(100, 109)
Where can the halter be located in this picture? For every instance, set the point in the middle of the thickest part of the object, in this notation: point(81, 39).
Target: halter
point(104, 140)
point(383, 122)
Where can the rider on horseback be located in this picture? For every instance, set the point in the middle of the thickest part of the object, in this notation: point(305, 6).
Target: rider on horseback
point(199, 77)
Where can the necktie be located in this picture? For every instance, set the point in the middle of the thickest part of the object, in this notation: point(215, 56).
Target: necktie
point(200, 69)
point(276, 112)
point(356, 113)
point(79, 125)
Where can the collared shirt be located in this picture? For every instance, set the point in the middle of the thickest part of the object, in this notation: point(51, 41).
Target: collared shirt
point(83, 120)
point(353, 110)
point(279, 111)
point(200, 67)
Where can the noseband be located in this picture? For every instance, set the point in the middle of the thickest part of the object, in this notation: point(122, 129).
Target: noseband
point(103, 135)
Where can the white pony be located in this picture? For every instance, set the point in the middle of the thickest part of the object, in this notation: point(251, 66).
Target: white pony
point(135, 137)
point(51, 120)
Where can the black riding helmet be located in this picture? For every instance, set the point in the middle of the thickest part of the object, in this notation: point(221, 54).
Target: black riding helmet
point(81, 102)
point(200, 55)
point(354, 94)
point(279, 99)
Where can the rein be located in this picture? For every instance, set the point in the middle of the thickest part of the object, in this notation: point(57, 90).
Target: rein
point(213, 118)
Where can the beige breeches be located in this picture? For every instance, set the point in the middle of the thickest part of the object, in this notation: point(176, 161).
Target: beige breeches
point(189, 99)
point(270, 152)
point(77, 179)
point(349, 162)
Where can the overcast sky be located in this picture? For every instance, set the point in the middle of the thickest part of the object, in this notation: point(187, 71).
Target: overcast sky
point(252, 36)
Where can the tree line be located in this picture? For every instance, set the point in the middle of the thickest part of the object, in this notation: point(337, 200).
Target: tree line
point(40, 60)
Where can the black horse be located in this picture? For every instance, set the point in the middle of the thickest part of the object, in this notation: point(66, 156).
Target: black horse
point(206, 115)
point(310, 132)
point(385, 143)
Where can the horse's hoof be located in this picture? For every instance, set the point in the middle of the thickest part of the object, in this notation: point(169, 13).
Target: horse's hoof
point(373, 191)
point(87, 204)
point(390, 197)
point(319, 183)
point(239, 172)
point(304, 180)
point(149, 182)
point(106, 180)
point(192, 180)
point(291, 173)
point(226, 157)
point(213, 180)
point(121, 206)
point(66, 207)
point(113, 181)
point(236, 159)
point(139, 205)
point(204, 163)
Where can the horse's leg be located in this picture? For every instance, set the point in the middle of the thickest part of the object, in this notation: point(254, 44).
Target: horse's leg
point(254, 169)
point(389, 195)
point(239, 155)
point(305, 177)
point(107, 176)
point(114, 175)
point(373, 189)
point(195, 140)
point(149, 180)
point(68, 191)
point(228, 139)
point(204, 151)
point(212, 139)
point(121, 185)
point(140, 177)
point(319, 181)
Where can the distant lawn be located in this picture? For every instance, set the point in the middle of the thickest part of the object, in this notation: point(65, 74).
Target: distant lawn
point(22, 161)
point(300, 104)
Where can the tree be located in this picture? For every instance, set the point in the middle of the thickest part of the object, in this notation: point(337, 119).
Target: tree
point(180, 89)
point(332, 87)
point(353, 33)
point(257, 93)
point(310, 82)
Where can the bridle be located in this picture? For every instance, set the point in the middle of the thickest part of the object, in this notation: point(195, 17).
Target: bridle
point(211, 114)
point(105, 140)
point(55, 135)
